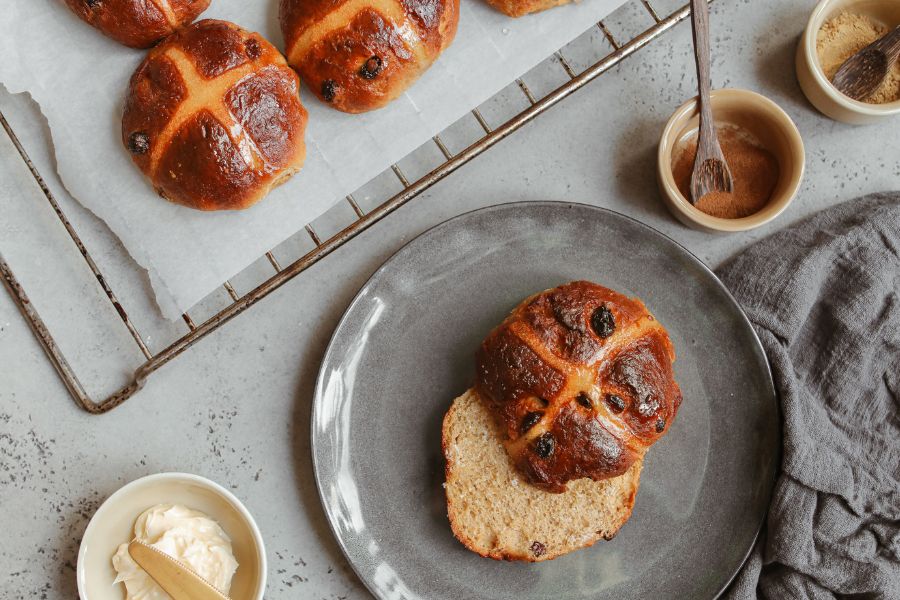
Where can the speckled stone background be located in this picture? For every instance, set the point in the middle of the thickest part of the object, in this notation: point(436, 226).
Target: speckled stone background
point(235, 408)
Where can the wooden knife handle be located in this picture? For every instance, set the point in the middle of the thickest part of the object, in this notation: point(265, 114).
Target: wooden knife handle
point(175, 578)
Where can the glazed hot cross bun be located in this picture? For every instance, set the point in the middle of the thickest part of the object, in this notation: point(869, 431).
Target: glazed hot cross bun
point(519, 8)
point(213, 117)
point(138, 23)
point(581, 379)
point(358, 55)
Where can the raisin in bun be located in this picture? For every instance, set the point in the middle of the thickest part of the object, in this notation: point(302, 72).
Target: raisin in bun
point(519, 8)
point(138, 23)
point(213, 117)
point(580, 378)
point(358, 55)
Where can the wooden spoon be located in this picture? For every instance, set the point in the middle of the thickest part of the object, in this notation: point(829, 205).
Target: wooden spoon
point(865, 71)
point(711, 172)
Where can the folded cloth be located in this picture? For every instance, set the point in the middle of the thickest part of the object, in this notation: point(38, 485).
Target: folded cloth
point(824, 297)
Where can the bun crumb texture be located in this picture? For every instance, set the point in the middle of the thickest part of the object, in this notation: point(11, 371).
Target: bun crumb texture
point(496, 513)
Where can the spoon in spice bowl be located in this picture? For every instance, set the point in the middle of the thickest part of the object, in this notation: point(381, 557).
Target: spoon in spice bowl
point(864, 72)
point(711, 172)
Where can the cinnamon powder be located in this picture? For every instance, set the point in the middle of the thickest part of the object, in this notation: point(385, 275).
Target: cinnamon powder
point(754, 171)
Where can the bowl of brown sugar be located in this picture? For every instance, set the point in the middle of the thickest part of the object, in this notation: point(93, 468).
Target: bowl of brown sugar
point(837, 29)
point(762, 147)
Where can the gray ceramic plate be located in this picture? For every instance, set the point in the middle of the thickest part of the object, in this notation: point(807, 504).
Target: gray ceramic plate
point(405, 349)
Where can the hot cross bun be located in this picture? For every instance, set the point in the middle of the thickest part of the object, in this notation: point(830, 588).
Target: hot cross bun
point(581, 379)
point(358, 55)
point(213, 117)
point(138, 23)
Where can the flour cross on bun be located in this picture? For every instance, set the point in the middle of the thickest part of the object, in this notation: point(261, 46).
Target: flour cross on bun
point(213, 117)
point(165, 7)
point(581, 378)
point(139, 24)
point(358, 55)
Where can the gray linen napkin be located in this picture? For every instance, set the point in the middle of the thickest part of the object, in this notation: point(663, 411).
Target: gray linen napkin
point(824, 297)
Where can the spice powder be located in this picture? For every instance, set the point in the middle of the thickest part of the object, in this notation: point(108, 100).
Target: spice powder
point(845, 35)
point(754, 171)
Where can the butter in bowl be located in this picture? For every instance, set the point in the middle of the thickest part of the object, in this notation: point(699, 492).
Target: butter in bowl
point(199, 524)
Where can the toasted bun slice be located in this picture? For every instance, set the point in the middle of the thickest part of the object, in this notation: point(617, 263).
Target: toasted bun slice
point(494, 512)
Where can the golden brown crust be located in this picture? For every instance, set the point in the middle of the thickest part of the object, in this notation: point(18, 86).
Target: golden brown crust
point(519, 8)
point(213, 117)
point(138, 23)
point(358, 55)
point(581, 377)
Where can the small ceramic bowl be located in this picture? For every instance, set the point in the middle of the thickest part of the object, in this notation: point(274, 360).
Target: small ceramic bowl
point(758, 116)
point(113, 524)
point(816, 86)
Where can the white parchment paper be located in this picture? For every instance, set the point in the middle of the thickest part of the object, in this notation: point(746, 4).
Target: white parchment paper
point(79, 77)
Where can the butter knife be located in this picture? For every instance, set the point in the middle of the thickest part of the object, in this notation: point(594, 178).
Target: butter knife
point(176, 578)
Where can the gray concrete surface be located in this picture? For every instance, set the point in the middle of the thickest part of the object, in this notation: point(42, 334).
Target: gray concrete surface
point(235, 408)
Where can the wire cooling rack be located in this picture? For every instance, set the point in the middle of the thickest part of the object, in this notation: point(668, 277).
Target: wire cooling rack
point(363, 219)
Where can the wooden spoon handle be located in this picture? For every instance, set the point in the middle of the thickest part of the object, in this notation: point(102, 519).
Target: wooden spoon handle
point(700, 22)
point(891, 45)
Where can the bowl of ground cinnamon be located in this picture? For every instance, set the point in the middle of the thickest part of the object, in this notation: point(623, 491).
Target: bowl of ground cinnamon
point(836, 31)
point(764, 152)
